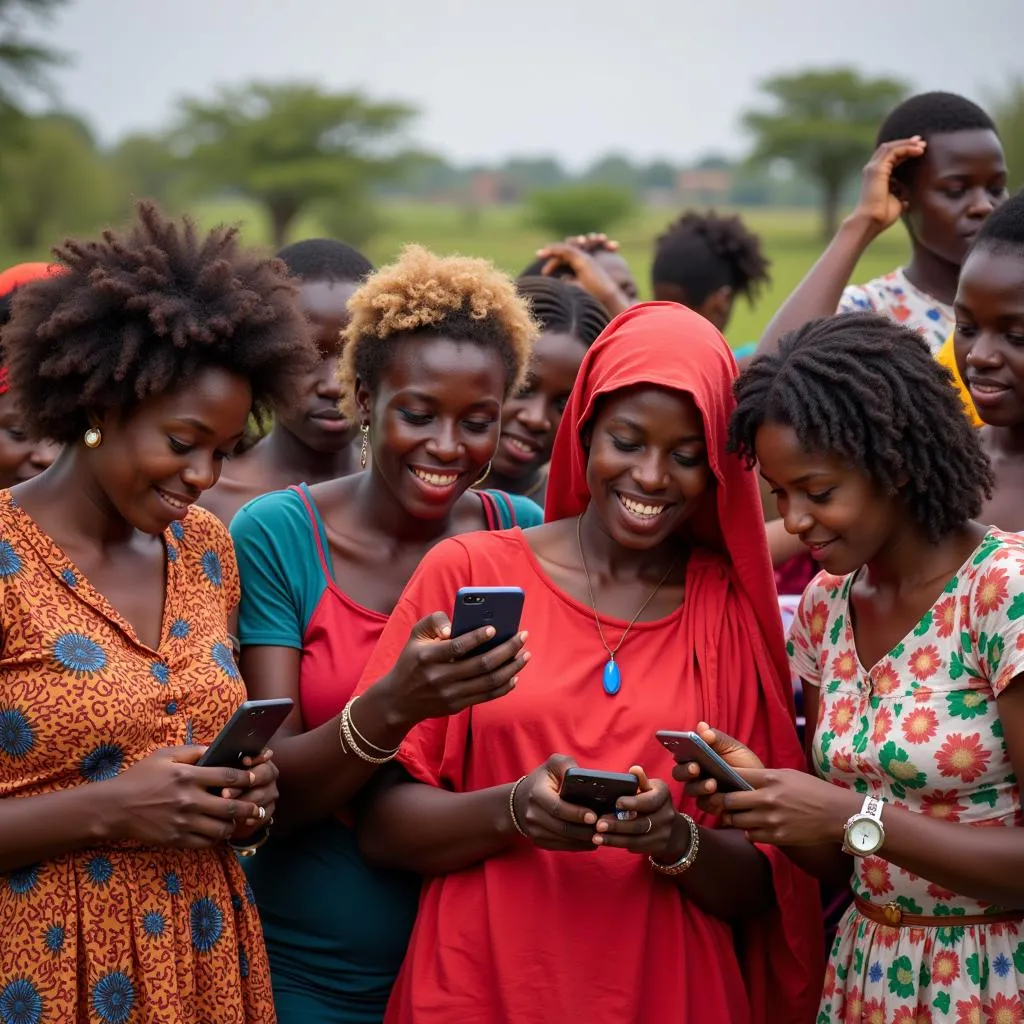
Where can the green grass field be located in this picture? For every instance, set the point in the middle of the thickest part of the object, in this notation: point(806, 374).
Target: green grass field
point(790, 239)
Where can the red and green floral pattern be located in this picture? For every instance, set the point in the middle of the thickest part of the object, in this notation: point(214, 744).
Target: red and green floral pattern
point(921, 730)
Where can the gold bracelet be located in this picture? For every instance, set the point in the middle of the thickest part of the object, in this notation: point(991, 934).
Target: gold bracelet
point(512, 808)
point(362, 739)
point(686, 861)
point(249, 849)
point(348, 741)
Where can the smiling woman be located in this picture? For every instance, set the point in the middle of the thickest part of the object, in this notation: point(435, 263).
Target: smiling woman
point(433, 348)
point(653, 560)
point(145, 358)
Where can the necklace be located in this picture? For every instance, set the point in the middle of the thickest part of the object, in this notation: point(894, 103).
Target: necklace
point(612, 678)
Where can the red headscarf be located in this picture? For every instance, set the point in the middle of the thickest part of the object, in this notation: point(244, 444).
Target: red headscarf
point(731, 619)
point(669, 345)
point(15, 277)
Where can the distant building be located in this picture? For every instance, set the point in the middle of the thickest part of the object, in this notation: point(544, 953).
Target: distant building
point(488, 188)
point(704, 187)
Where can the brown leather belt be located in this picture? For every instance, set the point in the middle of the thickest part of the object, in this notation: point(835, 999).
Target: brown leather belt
point(893, 915)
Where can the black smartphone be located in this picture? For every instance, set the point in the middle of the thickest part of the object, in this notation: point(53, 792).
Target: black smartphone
point(688, 746)
point(597, 791)
point(247, 733)
point(500, 607)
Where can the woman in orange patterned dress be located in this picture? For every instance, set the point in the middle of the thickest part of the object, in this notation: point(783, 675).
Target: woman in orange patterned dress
point(121, 900)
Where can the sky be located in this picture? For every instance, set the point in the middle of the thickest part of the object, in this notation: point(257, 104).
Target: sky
point(573, 78)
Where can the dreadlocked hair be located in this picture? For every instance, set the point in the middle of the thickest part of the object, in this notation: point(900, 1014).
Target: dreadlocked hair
point(424, 295)
point(142, 313)
point(562, 308)
point(868, 390)
point(702, 252)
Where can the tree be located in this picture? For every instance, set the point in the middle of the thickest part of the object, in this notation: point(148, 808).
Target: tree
point(146, 168)
point(54, 184)
point(824, 123)
point(290, 145)
point(23, 62)
point(1008, 111)
point(615, 170)
point(577, 209)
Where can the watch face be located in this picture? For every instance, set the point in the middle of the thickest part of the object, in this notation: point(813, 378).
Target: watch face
point(865, 836)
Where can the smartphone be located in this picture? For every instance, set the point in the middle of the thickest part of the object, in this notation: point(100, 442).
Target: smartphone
point(500, 607)
point(598, 791)
point(688, 746)
point(247, 733)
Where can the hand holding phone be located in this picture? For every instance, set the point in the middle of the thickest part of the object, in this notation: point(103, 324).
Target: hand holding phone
point(498, 607)
point(597, 791)
point(689, 746)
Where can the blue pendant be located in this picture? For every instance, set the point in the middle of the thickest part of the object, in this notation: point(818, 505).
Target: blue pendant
point(612, 681)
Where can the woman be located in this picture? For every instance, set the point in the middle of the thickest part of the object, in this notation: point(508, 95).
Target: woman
point(122, 899)
point(910, 643)
point(570, 321)
point(433, 348)
point(989, 331)
point(21, 457)
point(311, 441)
point(654, 560)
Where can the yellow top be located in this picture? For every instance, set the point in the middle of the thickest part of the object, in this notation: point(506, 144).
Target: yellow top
point(947, 359)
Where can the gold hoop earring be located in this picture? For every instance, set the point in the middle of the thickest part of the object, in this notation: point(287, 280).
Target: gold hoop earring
point(93, 437)
point(487, 473)
point(364, 445)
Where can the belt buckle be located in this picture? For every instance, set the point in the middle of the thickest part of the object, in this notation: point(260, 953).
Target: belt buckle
point(893, 914)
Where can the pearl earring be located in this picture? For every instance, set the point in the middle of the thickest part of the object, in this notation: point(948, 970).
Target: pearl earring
point(93, 437)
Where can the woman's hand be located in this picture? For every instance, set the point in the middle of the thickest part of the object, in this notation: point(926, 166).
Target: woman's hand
point(878, 205)
point(651, 828)
point(789, 808)
point(589, 274)
point(550, 822)
point(437, 675)
point(262, 793)
point(165, 800)
point(730, 750)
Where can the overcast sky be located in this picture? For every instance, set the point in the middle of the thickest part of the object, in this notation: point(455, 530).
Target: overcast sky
point(576, 78)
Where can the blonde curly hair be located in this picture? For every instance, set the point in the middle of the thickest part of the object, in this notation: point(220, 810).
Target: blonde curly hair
point(457, 297)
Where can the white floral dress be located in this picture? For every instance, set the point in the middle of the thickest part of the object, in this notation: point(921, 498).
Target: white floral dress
point(921, 729)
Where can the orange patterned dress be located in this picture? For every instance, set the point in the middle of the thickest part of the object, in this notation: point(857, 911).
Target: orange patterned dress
point(121, 934)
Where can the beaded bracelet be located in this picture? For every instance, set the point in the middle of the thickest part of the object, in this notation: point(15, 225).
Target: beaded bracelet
point(348, 741)
point(512, 808)
point(686, 861)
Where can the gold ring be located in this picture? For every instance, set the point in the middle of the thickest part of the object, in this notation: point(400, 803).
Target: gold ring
point(261, 813)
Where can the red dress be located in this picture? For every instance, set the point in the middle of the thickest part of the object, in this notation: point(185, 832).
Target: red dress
point(535, 937)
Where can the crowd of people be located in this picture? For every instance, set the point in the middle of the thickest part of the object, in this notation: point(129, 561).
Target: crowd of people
point(227, 476)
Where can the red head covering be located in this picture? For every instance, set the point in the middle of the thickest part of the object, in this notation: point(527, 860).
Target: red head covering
point(730, 626)
point(671, 346)
point(15, 277)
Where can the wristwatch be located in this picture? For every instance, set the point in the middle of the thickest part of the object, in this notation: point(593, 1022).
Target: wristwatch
point(864, 831)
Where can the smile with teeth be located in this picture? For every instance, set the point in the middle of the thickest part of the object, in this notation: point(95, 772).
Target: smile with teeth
point(519, 446)
point(171, 500)
point(640, 509)
point(436, 479)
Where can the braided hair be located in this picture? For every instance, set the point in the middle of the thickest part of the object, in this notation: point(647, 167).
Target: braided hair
point(868, 390)
point(559, 307)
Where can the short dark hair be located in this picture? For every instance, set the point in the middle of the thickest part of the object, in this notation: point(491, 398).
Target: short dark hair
point(928, 114)
point(869, 390)
point(325, 259)
point(557, 306)
point(702, 252)
point(1003, 229)
point(141, 313)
